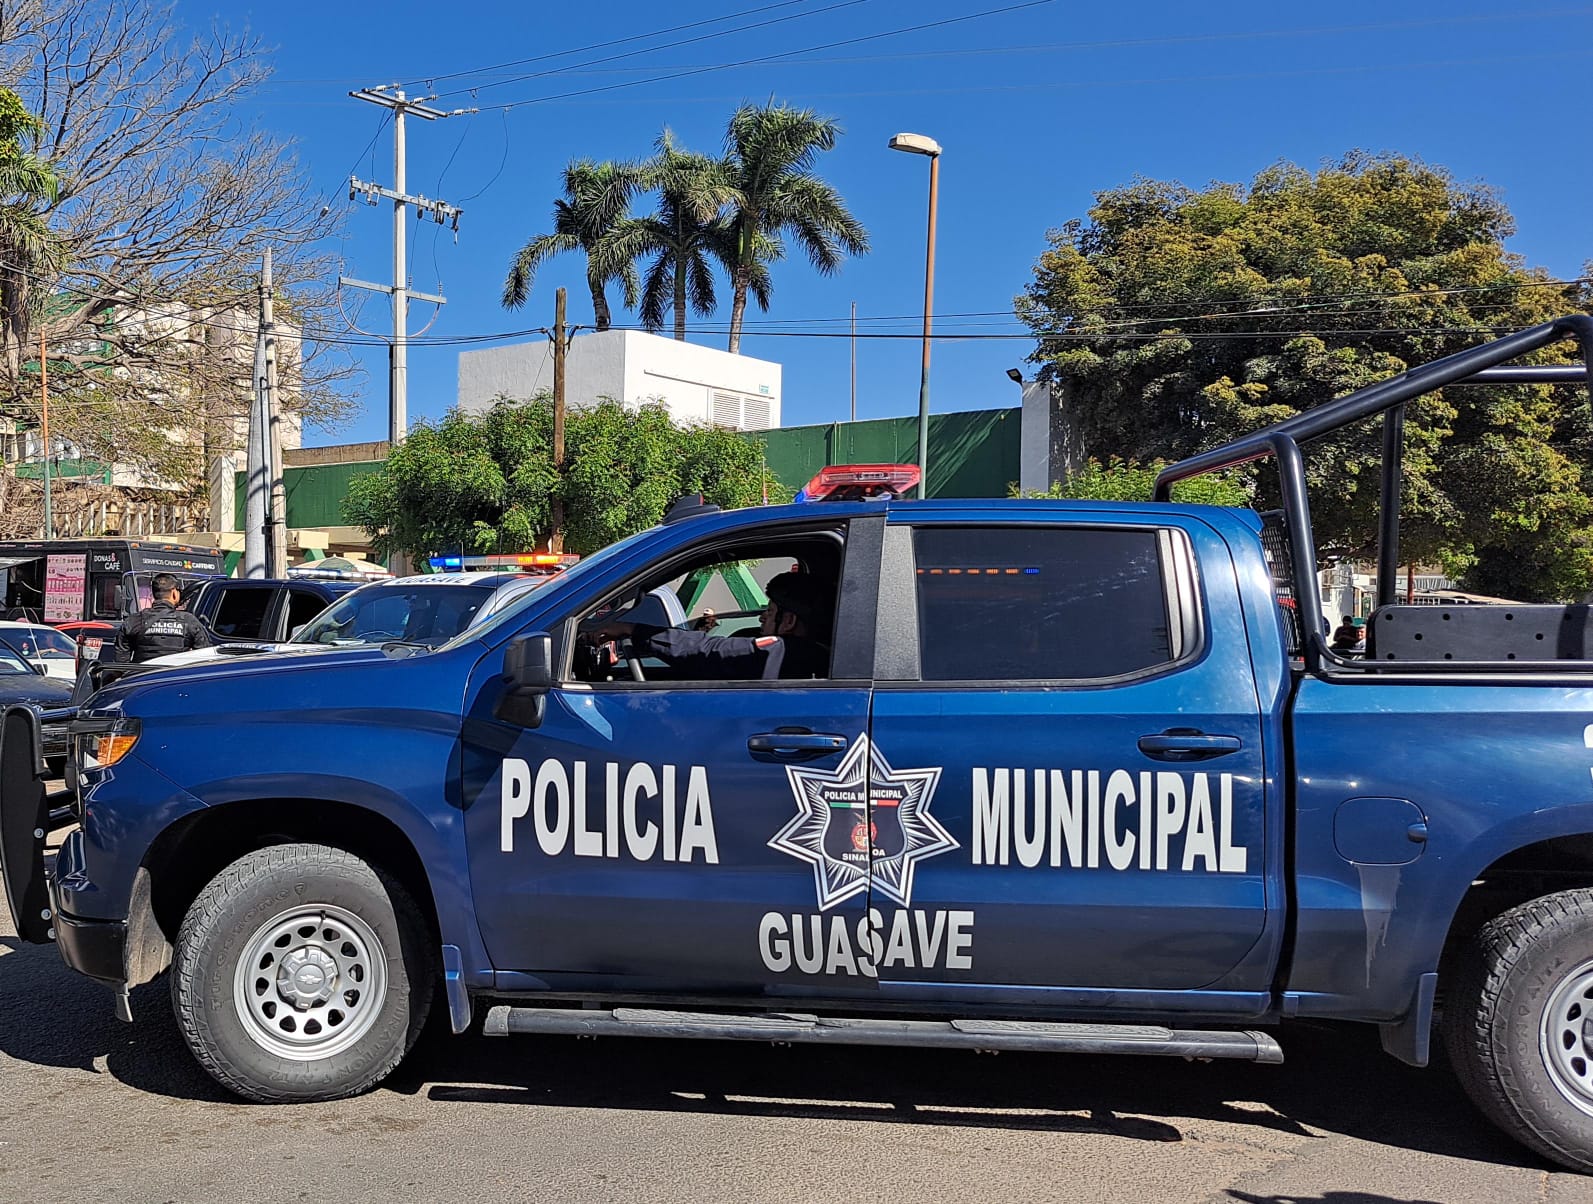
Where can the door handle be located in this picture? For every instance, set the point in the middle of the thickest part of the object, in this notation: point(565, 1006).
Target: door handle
point(1186, 744)
point(796, 740)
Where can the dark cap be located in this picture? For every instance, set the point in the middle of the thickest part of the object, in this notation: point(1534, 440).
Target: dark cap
point(805, 596)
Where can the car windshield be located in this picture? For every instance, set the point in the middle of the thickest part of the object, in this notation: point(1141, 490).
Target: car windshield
point(11, 661)
point(577, 571)
point(374, 614)
point(44, 642)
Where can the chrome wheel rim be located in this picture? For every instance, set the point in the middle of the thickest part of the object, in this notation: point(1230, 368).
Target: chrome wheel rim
point(1565, 1036)
point(310, 983)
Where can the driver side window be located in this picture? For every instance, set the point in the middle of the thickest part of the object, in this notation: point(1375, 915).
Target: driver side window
point(760, 611)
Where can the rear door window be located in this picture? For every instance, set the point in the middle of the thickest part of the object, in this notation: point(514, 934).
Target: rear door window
point(241, 613)
point(1040, 603)
point(303, 605)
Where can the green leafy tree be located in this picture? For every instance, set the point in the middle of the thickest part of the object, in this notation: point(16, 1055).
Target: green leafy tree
point(1118, 480)
point(1177, 319)
point(486, 483)
point(29, 249)
point(770, 153)
point(586, 218)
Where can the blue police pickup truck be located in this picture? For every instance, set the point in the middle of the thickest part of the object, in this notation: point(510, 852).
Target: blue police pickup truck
point(1069, 776)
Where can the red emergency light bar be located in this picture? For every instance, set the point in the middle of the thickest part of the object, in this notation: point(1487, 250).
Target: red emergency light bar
point(856, 482)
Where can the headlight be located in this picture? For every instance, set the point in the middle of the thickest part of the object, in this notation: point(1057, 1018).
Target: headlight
point(102, 743)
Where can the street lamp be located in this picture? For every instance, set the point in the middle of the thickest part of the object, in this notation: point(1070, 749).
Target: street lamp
point(918, 144)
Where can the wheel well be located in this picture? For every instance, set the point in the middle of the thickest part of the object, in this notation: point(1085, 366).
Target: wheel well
point(194, 850)
point(1530, 872)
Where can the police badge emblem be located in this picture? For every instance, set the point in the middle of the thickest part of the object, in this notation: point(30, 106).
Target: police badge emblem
point(863, 823)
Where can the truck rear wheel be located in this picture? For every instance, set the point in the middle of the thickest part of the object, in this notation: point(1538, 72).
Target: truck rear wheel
point(301, 973)
point(1519, 1026)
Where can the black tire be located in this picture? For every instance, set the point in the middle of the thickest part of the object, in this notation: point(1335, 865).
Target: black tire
point(371, 950)
point(1529, 958)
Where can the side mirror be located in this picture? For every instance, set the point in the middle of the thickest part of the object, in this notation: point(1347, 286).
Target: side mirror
point(528, 670)
point(40, 668)
point(528, 663)
point(294, 634)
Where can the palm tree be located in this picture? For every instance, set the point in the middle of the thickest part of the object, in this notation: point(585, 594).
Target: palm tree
point(770, 151)
point(29, 249)
point(687, 236)
point(596, 200)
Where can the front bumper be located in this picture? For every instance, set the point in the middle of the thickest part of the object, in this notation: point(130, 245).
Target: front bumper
point(28, 814)
point(97, 948)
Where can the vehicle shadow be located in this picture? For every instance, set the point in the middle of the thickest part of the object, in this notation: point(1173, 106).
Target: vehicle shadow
point(1336, 1080)
point(53, 1016)
point(1331, 1197)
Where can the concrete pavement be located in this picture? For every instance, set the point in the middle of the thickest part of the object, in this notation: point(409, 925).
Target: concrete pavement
point(101, 1110)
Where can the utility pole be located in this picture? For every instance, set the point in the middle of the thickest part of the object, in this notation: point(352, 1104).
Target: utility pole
point(277, 509)
point(854, 361)
point(390, 96)
point(257, 477)
point(44, 402)
point(560, 346)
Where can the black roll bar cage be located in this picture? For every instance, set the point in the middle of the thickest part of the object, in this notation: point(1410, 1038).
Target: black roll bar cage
point(1485, 365)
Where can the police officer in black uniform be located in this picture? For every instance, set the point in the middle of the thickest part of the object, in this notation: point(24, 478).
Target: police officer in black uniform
point(160, 627)
point(792, 640)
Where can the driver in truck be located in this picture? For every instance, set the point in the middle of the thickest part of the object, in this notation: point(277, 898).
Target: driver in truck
point(792, 641)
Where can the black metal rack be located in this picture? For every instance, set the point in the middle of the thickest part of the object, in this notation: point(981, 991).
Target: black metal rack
point(1485, 365)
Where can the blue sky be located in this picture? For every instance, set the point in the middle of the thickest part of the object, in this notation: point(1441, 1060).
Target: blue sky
point(1036, 109)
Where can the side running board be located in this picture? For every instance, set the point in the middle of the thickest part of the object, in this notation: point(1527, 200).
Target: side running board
point(505, 1020)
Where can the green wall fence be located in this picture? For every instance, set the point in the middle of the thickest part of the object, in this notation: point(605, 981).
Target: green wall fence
point(971, 454)
point(315, 492)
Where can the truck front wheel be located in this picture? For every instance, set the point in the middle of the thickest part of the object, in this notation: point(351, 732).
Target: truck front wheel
point(301, 973)
point(1519, 1025)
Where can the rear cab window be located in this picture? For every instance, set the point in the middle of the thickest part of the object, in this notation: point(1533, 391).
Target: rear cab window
point(1051, 603)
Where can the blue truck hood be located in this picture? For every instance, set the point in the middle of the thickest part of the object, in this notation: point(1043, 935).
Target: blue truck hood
point(286, 680)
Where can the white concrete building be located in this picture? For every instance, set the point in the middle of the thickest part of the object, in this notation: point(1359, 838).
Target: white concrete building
point(697, 384)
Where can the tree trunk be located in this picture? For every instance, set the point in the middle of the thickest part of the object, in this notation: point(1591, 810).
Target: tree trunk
point(600, 310)
point(741, 278)
point(738, 309)
point(680, 299)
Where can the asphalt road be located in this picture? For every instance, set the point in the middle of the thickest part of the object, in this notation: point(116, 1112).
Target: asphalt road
point(95, 1109)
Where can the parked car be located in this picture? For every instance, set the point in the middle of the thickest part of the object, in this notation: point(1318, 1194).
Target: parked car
point(24, 681)
point(428, 609)
point(42, 645)
point(260, 610)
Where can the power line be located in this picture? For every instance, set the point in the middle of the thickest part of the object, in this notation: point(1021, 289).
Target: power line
point(639, 37)
point(771, 58)
point(1095, 333)
point(724, 33)
point(1512, 16)
point(502, 162)
point(1142, 43)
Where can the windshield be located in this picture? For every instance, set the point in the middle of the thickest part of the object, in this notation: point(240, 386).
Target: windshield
point(576, 572)
point(45, 643)
point(374, 614)
point(11, 661)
